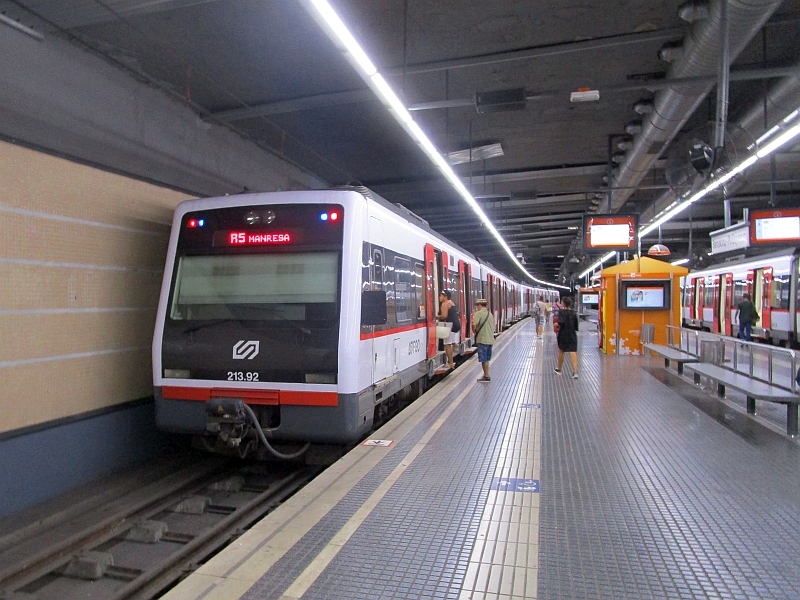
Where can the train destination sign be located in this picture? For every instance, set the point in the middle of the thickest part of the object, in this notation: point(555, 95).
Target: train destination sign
point(603, 233)
point(769, 226)
point(251, 238)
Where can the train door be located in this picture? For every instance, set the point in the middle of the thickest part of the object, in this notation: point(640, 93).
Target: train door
point(506, 305)
point(382, 345)
point(717, 319)
point(431, 296)
point(465, 307)
point(726, 302)
point(764, 305)
point(697, 307)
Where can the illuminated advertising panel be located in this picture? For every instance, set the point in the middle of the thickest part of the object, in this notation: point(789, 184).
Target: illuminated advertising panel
point(648, 294)
point(645, 297)
point(770, 226)
point(604, 233)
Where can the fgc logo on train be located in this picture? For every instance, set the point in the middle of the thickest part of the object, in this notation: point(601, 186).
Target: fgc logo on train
point(245, 349)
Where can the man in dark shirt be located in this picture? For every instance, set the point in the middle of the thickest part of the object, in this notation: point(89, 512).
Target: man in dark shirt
point(746, 316)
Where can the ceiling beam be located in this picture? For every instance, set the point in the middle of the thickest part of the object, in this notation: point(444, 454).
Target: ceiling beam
point(352, 96)
point(559, 49)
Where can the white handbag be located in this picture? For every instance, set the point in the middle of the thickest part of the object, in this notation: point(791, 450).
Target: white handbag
point(443, 329)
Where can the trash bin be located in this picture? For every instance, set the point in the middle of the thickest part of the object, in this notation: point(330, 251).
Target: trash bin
point(711, 351)
point(647, 333)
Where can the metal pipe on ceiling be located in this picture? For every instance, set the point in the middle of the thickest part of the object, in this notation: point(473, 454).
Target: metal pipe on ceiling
point(673, 106)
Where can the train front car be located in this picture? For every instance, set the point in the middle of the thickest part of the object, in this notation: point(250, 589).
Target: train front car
point(249, 338)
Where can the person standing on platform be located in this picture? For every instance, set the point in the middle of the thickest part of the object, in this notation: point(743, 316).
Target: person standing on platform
point(747, 316)
point(449, 313)
point(540, 312)
point(483, 328)
point(567, 337)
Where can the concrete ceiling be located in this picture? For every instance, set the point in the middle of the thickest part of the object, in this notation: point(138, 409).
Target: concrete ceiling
point(265, 69)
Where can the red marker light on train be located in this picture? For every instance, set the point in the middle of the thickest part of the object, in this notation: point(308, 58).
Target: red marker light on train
point(334, 216)
point(192, 223)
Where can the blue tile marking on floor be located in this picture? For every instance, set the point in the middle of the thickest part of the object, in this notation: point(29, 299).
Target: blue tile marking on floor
point(514, 485)
point(646, 497)
point(417, 542)
point(530, 406)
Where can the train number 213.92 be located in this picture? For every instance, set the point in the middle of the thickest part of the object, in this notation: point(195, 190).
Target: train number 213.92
point(242, 376)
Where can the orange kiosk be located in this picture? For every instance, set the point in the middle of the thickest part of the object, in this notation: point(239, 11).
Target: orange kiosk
point(642, 290)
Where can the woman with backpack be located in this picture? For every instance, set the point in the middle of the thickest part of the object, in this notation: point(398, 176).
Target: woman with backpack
point(567, 337)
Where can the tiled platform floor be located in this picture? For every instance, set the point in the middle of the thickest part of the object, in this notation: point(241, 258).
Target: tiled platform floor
point(628, 482)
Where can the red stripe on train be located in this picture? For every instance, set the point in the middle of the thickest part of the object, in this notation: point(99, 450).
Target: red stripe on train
point(369, 336)
point(266, 397)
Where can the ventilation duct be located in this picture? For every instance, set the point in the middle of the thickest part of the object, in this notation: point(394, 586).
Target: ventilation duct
point(673, 106)
point(695, 10)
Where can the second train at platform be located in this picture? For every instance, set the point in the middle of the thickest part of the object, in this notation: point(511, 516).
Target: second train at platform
point(711, 296)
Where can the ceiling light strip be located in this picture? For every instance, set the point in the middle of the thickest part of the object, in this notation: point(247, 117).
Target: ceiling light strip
point(782, 137)
point(336, 30)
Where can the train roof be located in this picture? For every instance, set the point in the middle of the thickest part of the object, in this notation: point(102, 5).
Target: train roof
point(746, 262)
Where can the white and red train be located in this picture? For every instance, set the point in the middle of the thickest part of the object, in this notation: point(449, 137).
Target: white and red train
point(300, 316)
point(710, 297)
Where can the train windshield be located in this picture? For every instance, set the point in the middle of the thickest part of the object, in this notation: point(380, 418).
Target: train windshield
point(266, 287)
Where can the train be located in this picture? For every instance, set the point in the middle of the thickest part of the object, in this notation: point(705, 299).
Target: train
point(290, 320)
point(710, 297)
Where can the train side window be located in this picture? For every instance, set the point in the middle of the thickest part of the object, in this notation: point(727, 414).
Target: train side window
point(403, 288)
point(419, 290)
point(377, 270)
point(780, 292)
point(739, 288)
point(708, 296)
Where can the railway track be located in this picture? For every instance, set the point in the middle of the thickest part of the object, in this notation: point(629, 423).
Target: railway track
point(138, 543)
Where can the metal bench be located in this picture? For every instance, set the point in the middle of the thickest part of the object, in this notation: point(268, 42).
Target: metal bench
point(752, 388)
point(672, 354)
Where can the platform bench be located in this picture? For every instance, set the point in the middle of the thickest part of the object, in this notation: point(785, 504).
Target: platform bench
point(752, 388)
point(671, 354)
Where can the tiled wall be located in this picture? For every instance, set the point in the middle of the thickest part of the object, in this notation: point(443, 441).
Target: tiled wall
point(81, 257)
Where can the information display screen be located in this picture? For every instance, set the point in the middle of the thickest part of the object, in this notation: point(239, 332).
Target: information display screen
point(591, 299)
point(610, 233)
point(645, 295)
point(775, 226)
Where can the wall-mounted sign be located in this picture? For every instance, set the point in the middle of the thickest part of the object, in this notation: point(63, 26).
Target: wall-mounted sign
point(616, 233)
point(770, 226)
point(731, 238)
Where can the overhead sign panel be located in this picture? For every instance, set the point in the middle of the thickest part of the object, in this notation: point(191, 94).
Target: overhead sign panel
point(729, 239)
point(770, 226)
point(616, 233)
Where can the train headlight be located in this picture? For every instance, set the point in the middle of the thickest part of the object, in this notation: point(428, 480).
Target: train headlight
point(177, 374)
point(252, 218)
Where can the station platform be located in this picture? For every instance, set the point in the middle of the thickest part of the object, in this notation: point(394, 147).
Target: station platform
point(628, 482)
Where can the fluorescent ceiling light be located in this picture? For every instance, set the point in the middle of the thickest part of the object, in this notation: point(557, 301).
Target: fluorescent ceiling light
point(782, 139)
point(346, 39)
point(333, 25)
point(597, 264)
point(680, 262)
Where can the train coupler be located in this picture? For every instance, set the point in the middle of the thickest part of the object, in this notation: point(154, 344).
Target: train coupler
point(227, 419)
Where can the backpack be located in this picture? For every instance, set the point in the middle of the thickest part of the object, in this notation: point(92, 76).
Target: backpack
point(452, 317)
point(537, 310)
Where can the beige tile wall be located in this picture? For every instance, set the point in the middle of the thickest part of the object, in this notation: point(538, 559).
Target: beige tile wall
point(81, 257)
